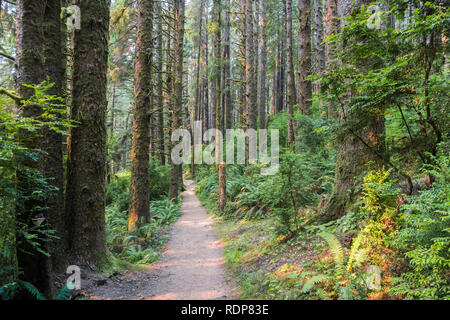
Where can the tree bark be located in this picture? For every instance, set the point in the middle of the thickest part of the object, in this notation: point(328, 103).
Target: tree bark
point(262, 68)
point(304, 56)
point(250, 77)
point(357, 145)
point(318, 39)
point(30, 68)
point(85, 196)
point(197, 103)
point(140, 185)
point(205, 81)
point(159, 88)
point(179, 17)
point(226, 82)
point(331, 26)
point(218, 75)
point(291, 90)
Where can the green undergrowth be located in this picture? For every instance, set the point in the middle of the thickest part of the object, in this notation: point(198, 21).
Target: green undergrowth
point(134, 250)
point(393, 246)
point(263, 264)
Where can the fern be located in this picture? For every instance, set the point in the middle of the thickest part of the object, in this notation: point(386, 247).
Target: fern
point(10, 290)
point(357, 256)
point(64, 293)
point(336, 250)
point(346, 293)
point(33, 290)
point(313, 281)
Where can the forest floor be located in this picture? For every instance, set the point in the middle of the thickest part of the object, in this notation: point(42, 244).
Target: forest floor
point(191, 267)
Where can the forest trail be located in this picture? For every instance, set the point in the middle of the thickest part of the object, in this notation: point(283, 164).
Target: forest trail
point(191, 267)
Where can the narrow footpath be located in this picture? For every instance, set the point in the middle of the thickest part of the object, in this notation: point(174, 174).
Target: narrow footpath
point(191, 267)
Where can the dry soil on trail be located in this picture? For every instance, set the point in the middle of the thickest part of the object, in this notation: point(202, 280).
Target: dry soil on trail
point(191, 267)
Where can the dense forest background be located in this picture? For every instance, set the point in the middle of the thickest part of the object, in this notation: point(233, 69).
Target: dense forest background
point(359, 91)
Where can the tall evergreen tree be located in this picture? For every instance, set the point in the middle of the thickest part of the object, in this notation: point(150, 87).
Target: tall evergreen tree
point(291, 89)
point(304, 56)
point(357, 145)
point(86, 172)
point(178, 54)
point(140, 185)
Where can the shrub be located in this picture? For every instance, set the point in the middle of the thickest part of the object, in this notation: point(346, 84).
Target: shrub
point(425, 238)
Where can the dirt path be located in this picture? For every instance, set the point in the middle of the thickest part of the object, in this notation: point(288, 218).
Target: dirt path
point(192, 266)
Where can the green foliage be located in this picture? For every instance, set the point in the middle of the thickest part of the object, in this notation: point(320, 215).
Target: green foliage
point(10, 290)
point(118, 191)
point(13, 126)
point(425, 237)
point(159, 181)
point(314, 281)
point(143, 245)
point(348, 283)
point(379, 193)
point(137, 255)
point(292, 190)
point(301, 178)
point(395, 73)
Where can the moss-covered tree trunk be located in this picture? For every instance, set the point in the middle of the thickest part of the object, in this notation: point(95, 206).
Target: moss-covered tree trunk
point(227, 104)
point(54, 67)
point(262, 67)
point(358, 145)
point(331, 26)
point(291, 89)
point(178, 51)
point(218, 120)
point(159, 87)
point(250, 71)
point(304, 56)
point(35, 266)
point(205, 80)
point(139, 187)
point(86, 163)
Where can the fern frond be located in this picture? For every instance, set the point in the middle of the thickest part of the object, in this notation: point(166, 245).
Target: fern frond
point(346, 293)
point(33, 290)
point(313, 281)
point(357, 255)
point(335, 247)
point(64, 293)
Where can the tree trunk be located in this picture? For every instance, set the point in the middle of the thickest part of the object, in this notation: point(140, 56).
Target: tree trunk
point(30, 64)
point(281, 81)
point(250, 77)
point(304, 56)
point(318, 39)
point(262, 68)
point(52, 162)
point(205, 81)
point(291, 91)
point(140, 185)
point(159, 88)
point(197, 108)
point(357, 146)
point(179, 18)
point(85, 196)
point(331, 26)
point(218, 76)
point(226, 82)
